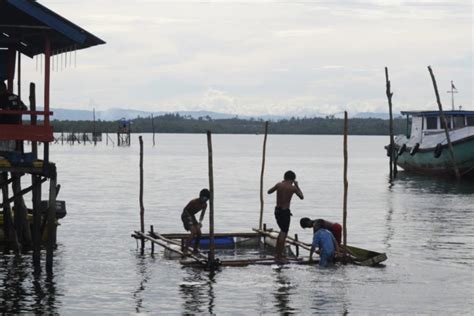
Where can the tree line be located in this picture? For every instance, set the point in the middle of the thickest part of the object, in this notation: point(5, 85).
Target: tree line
point(175, 123)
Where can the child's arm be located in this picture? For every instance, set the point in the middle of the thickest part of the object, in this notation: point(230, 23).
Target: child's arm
point(203, 212)
point(298, 191)
point(273, 189)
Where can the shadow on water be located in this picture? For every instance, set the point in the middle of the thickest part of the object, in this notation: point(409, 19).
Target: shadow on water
point(197, 291)
point(22, 292)
point(430, 184)
point(283, 292)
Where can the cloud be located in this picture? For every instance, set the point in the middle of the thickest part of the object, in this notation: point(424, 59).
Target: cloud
point(264, 57)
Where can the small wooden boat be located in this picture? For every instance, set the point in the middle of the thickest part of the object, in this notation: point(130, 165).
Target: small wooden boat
point(366, 257)
point(424, 149)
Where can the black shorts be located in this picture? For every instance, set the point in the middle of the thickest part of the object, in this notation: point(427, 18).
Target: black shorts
point(188, 220)
point(283, 217)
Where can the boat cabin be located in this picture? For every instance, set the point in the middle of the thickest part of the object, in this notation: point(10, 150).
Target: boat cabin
point(422, 123)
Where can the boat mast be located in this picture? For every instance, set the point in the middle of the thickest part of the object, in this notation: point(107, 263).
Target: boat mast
point(453, 91)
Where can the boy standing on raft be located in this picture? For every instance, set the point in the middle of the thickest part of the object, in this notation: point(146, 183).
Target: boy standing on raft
point(285, 190)
point(189, 220)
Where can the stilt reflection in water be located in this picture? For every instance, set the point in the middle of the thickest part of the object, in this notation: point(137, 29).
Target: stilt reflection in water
point(197, 291)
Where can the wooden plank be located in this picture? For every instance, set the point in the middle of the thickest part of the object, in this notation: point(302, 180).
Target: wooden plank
point(185, 235)
point(257, 261)
point(289, 240)
point(165, 245)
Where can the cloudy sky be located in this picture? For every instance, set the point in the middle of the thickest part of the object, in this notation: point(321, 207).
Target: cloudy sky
point(265, 56)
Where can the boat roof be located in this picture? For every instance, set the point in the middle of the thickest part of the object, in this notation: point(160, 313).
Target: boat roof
point(437, 113)
point(24, 24)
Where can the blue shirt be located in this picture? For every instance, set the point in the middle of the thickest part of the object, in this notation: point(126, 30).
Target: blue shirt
point(325, 241)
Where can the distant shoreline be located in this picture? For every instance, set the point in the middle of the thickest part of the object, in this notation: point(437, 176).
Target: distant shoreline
point(172, 123)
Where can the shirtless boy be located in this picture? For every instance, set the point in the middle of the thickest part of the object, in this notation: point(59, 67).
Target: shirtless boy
point(285, 190)
point(189, 220)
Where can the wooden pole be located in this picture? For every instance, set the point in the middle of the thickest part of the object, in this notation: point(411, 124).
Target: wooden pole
point(36, 183)
point(446, 131)
point(393, 165)
point(8, 229)
point(51, 223)
point(152, 232)
point(47, 77)
point(142, 208)
point(153, 128)
point(33, 118)
point(346, 184)
point(21, 212)
point(260, 223)
point(211, 201)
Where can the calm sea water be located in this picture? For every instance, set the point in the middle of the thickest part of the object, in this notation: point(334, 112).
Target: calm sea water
point(425, 226)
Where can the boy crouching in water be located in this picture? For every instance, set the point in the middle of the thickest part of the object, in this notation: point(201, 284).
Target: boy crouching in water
point(189, 220)
point(325, 241)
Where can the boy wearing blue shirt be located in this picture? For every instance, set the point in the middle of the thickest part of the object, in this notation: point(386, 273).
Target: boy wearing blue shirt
point(325, 241)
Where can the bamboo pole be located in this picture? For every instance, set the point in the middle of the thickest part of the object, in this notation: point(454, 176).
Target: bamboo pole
point(142, 208)
point(51, 223)
point(393, 165)
point(260, 223)
point(211, 201)
point(440, 106)
point(346, 184)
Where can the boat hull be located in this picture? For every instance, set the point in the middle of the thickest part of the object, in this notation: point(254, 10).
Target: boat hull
point(424, 160)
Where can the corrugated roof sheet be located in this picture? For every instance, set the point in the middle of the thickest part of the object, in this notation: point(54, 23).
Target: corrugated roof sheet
point(25, 23)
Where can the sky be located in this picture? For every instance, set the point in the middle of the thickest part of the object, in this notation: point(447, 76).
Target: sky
point(264, 56)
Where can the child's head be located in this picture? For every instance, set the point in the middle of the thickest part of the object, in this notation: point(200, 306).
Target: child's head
point(289, 175)
point(204, 195)
point(318, 224)
point(306, 222)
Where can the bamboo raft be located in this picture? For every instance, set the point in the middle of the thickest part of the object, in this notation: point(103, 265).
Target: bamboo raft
point(175, 244)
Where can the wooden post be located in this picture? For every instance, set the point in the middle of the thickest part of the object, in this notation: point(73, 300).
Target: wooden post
point(51, 223)
point(443, 118)
point(36, 182)
point(21, 213)
point(211, 201)
point(47, 69)
point(142, 208)
point(297, 247)
point(153, 128)
point(260, 223)
point(152, 244)
point(33, 117)
point(346, 184)
point(393, 165)
point(8, 229)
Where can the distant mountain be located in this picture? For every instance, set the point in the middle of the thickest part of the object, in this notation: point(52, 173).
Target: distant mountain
point(115, 114)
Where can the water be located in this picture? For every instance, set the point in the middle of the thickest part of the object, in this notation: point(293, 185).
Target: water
point(426, 228)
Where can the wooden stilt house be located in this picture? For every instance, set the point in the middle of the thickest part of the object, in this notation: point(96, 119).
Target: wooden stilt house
point(29, 29)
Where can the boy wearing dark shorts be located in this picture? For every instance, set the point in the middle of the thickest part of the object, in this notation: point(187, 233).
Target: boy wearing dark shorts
point(189, 220)
point(285, 190)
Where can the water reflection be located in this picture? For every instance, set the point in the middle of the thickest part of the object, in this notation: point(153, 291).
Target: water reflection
point(429, 184)
point(283, 292)
point(144, 277)
point(22, 291)
point(197, 291)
